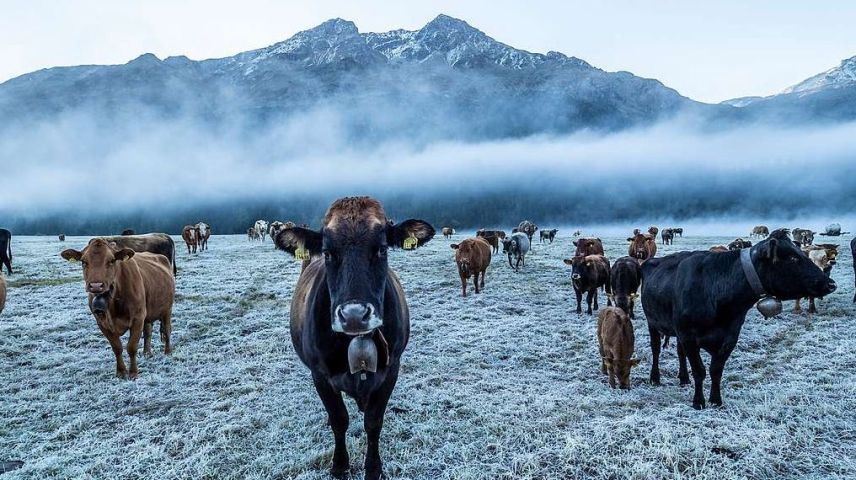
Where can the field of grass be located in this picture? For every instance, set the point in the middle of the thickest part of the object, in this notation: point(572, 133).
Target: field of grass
point(501, 385)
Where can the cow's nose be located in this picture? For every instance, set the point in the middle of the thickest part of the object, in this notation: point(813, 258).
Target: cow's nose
point(832, 286)
point(355, 319)
point(96, 287)
point(575, 276)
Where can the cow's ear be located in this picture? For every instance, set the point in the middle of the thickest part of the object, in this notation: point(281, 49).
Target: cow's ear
point(292, 239)
point(421, 230)
point(454, 246)
point(124, 254)
point(771, 249)
point(71, 255)
point(630, 239)
point(568, 261)
point(575, 242)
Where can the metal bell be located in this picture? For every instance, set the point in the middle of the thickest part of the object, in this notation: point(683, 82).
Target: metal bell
point(362, 354)
point(769, 306)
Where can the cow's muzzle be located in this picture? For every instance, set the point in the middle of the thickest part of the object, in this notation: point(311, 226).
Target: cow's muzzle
point(99, 303)
point(355, 318)
point(96, 287)
point(576, 276)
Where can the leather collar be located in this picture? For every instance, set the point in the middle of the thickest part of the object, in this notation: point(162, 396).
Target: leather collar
point(750, 272)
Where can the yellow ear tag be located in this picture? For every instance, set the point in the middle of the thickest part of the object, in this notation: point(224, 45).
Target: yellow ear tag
point(410, 242)
point(73, 260)
point(301, 254)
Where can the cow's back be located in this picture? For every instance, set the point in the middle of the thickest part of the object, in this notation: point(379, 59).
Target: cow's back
point(659, 289)
point(159, 243)
point(158, 282)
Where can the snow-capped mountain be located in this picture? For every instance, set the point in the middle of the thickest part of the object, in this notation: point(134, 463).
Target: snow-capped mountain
point(842, 76)
point(445, 80)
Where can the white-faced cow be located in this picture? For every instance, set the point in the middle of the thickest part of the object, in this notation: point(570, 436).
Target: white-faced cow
point(261, 227)
point(349, 318)
point(204, 234)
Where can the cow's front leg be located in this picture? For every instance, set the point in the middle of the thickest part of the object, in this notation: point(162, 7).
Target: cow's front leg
point(476, 281)
point(337, 416)
point(683, 373)
point(116, 344)
point(694, 356)
point(717, 365)
point(594, 297)
point(579, 295)
point(588, 302)
point(655, 355)
point(375, 411)
point(134, 344)
point(811, 307)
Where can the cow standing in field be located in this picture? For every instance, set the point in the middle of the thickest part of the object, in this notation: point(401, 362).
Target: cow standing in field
point(802, 236)
point(678, 231)
point(159, 243)
point(349, 317)
point(625, 276)
point(493, 241)
point(128, 231)
point(739, 244)
point(668, 236)
point(61, 237)
point(448, 232)
point(2, 291)
point(616, 343)
point(517, 246)
point(549, 235)
point(587, 275)
point(204, 234)
point(588, 246)
point(642, 247)
point(261, 227)
point(760, 231)
point(702, 298)
point(190, 234)
point(824, 256)
point(528, 228)
point(127, 291)
point(472, 257)
point(251, 233)
point(491, 233)
point(653, 231)
point(6, 250)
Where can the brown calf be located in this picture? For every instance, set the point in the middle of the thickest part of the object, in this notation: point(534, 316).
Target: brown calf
point(615, 339)
point(824, 256)
point(718, 249)
point(588, 246)
point(473, 257)
point(190, 234)
point(127, 291)
point(642, 247)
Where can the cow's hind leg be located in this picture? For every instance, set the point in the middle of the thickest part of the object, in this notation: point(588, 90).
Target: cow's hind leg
point(147, 339)
point(375, 411)
point(166, 332)
point(134, 344)
point(811, 307)
point(683, 374)
point(594, 296)
point(337, 417)
point(655, 355)
point(694, 356)
point(476, 281)
point(717, 365)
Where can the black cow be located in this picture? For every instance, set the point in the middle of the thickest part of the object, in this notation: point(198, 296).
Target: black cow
point(739, 244)
point(549, 235)
point(702, 299)
point(6, 250)
point(587, 275)
point(128, 231)
point(625, 276)
point(349, 318)
point(668, 236)
point(678, 231)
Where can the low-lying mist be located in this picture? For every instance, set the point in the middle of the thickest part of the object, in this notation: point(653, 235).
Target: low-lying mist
point(82, 175)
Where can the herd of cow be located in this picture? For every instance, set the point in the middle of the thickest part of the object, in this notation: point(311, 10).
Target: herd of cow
point(350, 321)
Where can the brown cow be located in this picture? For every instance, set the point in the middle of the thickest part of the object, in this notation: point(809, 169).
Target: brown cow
point(615, 338)
point(653, 231)
point(448, 232)
point(642, 247)
point(493, 241)
point(587, 275)
point(190, 234)
point(718, 249)
point(151, 242)
point(824, 256)
point(2, 292)
point(473, 257)
point(588, 246)
point(127, 291)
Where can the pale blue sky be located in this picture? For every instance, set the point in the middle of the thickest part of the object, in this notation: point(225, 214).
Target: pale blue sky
point(709, 51)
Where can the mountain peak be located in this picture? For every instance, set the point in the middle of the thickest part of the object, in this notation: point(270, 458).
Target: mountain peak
point(145, 59)
point(445, 22)
point(335, 26)
point(844, 75)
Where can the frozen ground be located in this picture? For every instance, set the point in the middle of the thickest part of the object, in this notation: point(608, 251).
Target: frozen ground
point(503, 385)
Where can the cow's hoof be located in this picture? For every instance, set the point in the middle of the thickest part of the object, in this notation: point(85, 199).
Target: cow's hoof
point(148, 354)
point(374, 474)
point(340, 473)
point(167, 350)
point(122, 374)
point(133, 375)
point(684, 381)
point(698, 405)
point(655, 379)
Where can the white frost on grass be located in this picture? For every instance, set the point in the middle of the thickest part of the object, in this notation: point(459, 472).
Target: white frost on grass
point(504, 384)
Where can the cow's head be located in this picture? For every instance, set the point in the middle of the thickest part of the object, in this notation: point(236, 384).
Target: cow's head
point(587, 246)
point(786, 271)
point(581, 267)
point(464, 256)
point(204, 229)
point(639, 246)
point(354, 240)
point(99, 260)
point(621, 368)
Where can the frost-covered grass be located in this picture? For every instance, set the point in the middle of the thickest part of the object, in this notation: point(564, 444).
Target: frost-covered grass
point(504, 384)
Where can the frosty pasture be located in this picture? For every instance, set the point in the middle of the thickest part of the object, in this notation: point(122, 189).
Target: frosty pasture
point(504, 384)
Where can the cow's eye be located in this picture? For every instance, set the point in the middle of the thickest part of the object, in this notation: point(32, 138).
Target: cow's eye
point(328, 257)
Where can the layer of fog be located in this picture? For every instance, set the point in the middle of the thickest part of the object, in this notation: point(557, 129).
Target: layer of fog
point(80, 165)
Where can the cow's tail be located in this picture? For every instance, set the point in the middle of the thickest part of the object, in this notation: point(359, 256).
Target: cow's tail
point(174, 267)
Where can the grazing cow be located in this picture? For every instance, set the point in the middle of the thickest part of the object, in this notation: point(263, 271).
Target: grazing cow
point(261, 227)
point(678, 231)
point(127, 291)
point(668, 236)
point(159, 243)
point(853, 256)
point(824, 256)
point(718, 249)
point(549, 235)
point(190, 234)
point(528, 228)
point(516, 246)
point(2, 291)
point(760, 231)
point(128, 231)
point(473, 257)
point(702, 299)
point(448, 232)
point(625, 276)
point(642, 246)
point(738, 244)
point(803, 236)
point(653, 231)
point(588, 246)
point(587, 275)
point(616, 341)
point(204, 234)
point(349, 318)
point(61, 237)
point(6, 250)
